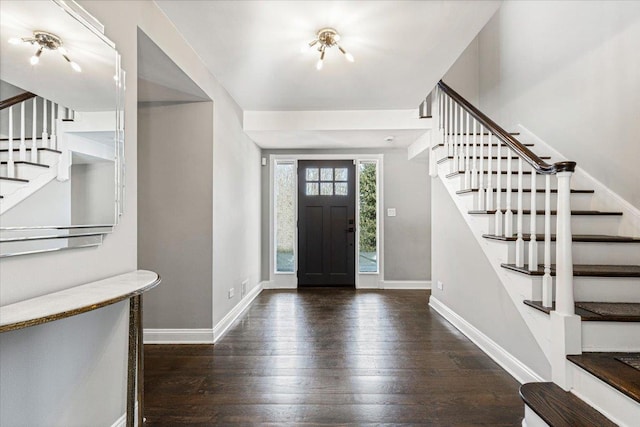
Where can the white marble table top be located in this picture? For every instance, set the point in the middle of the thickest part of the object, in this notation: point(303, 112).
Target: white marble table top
point(76, 300)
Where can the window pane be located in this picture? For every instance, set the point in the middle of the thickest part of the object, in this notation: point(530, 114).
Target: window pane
point(285, 187)
point(341, 189)
point(312, 189)
point(312, 174)
point(326, 189)
point(342, 174)
point(368, 256)
point(326, 174)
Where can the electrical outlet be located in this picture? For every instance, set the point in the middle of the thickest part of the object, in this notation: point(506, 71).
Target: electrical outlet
point(231, 292)
point(440, 285)
point(243, 289)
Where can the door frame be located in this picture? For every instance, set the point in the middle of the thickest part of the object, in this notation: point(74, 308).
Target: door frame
point(289, 280)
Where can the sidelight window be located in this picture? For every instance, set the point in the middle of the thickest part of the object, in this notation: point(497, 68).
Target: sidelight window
point(284, 194)
point(368, 207)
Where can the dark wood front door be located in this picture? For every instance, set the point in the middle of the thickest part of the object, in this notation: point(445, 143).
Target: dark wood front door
point(326, 223)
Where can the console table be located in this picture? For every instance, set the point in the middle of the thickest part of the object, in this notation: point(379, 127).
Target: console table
point(88, 297)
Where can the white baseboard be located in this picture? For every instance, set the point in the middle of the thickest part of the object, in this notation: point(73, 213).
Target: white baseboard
point(406, 284)
point(178, 336)
point(227, 321)
point(502, 357)
point(122, 420)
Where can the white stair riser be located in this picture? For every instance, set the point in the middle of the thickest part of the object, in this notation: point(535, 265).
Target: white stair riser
point(494, 164)
point(607, 289)
point(585, 253)
point(24, 171)
point(16, 143)
point(526, 180)
point(610, 402)
point(44, 157)
point(611, 336)
point(580, 224)
point(581, 201)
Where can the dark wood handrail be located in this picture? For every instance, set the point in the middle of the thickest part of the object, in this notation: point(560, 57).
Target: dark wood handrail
point(16, 100)
point(527, 155)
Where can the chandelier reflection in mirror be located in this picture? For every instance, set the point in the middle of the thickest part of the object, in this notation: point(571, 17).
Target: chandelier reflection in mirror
point(44, 40)
point(327, 38)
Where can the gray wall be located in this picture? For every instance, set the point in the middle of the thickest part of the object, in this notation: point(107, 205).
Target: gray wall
point(93, 193)
point(175, 167)
point(407, 237)
point(471, 287)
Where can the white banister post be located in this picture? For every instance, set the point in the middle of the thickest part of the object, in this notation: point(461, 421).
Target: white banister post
point(533, 239)
point(519, 222)
point(460, 134)
point(54, 137)
point(45, 136)
point(564, 258)
point(11, 171)
point(547, 283)
point(467, 155)
point(499, 231)
point(508, 216)
point(34, 136)
point(451, 150)
point(454, 131)
point(488, 190)
point(474, 156)
point(481, 194)
point(23, 145)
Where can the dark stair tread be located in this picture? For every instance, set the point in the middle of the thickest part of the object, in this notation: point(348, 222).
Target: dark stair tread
point(607, 368)
point(560, 408)
point(591, 238)
point(28, 138)
point(541, 212)
point(452, 174)
point(584, 270)
point(477, 133)
point(591, 316)
point(524, 190)
point(6, 150)
point(444, 159)
point(22, 162)
point(6, 178)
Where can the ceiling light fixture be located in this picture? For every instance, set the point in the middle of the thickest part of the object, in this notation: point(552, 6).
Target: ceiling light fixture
point(328, 38)
point(44, 40)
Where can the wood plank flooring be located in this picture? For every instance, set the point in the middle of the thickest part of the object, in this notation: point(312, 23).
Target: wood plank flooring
point(324, 356)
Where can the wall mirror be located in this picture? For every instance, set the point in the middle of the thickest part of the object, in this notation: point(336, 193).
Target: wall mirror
point(61, 128)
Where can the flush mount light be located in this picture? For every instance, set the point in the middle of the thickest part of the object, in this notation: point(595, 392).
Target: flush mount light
point(44, 40)
point(328, 38)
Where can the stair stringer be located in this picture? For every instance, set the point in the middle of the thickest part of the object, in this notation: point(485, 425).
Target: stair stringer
point(28, 188)
point(518, 287)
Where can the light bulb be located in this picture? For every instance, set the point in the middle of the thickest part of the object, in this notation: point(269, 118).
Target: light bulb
point(15, 40)
point(349, 57)
point(319, 64)
point(34, 60)
point(75, 66)
point(62, 50)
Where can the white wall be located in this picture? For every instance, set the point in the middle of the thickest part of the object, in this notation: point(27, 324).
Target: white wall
point(72, 372)
point(568, 71)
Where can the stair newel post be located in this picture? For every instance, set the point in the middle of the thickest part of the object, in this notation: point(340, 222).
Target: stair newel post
point(451, 149)
point(488, 204)
point(499, 218)
point(467, 155)
point(474, 156)
point(508, 216)
point(45, 136)
point(520, 217)
point(533, 243)
point(11, 171)
point(23, 145)
point(564, 257)
point(34, 140)
point(481, 194)
point(53, 141)
point(547, 283)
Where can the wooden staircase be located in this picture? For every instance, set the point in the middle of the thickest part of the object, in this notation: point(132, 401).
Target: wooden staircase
point(606, 380)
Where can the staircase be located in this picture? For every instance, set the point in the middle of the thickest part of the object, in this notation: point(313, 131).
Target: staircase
point(28, 162)
point(571, 275)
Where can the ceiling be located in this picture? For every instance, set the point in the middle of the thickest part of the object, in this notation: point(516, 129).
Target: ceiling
point(91, 90)
point(401, 49)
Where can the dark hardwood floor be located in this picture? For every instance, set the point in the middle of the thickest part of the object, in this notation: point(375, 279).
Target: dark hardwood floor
point(333, 357)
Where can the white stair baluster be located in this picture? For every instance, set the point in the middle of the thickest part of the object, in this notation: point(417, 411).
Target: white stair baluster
point(547, 283)
point(474, 156)
point(11, 171)
point(454, 130)
point(519, 222)
point(460, 142)
point(533, 243)
point(565, 304)
point(54, 138)
point(481, 195)
point(445, 118)
point(45, 136)
point(34, 140)
point(499, 217)
point(450, 128)
point(508, 215)
point(467, 154)
point(23, 145)
point(489, 190)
